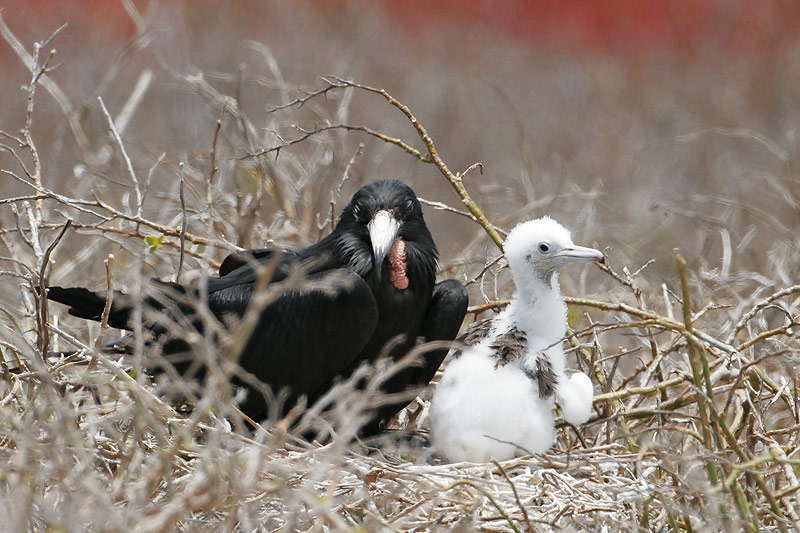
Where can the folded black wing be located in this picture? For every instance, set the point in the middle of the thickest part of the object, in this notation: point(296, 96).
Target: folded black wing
point(305, 337)
point(443, 317)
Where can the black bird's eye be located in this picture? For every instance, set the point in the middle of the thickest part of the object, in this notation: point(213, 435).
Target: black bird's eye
point(409, 205)
point(544, 247)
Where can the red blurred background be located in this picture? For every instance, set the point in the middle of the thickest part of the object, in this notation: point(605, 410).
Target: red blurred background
point(597, 112)
point(622, 27)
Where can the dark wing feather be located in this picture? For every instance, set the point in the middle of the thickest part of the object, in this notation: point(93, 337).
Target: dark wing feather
point(505, 347)
point(238, 259)
point(242, 267)
point(305, 337)
point(544, 376)
point(476, 332)
point(443, 317)
point(508, 346)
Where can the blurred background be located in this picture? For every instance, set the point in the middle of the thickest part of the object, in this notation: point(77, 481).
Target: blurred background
point(641, 125)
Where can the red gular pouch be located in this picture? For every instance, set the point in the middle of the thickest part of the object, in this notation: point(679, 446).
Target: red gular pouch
point(397, 264)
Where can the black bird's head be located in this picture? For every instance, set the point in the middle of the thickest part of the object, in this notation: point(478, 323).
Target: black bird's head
point(383, 234)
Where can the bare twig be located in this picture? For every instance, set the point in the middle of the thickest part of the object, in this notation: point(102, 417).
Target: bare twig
point(183, 224)
point(758, 307)
point(125, 157)
point(44, 333)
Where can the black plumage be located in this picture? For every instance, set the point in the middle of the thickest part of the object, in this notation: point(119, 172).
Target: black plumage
point(369, 288)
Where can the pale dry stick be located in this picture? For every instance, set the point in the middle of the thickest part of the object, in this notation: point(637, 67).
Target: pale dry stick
point(55, 91)
point(17, 158)
point(479, 275)
point(793, 505)
point(41, 308)
point(72, 202)
point(488, 306)
point(37, 73)
point(605, 306)
point(153, 404)
point(307, 134)
point(33, 224)
point(667, 305)
point(699, 365)
point(745, 462)
point(301, 101)
point(456, 180)
point(605, 267)
point(334, 195)
point(166, 230)
point(718, 344)
point(183, 224)
point(758, 307)
point(489, 497)
point(150, 173)
point(94, 229)
point(273, 65)
point(10, 137)
point(441, 206)
point(634, 391)
point(349, 167)
point(655, 365)
point(711, 306)
point(787, 491)
point(135, 16)
point(247, 212)
point(109, 262)
point(125, 157)
point(516, 494)
point(28, 198)
point(213, 169)
point(133, 101)
point(783, 330)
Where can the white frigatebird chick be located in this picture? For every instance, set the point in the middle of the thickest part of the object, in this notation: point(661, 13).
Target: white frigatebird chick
point(495, 399)
point(370, 289)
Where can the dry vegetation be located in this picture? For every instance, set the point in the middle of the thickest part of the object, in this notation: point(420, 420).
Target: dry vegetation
point(178, 155)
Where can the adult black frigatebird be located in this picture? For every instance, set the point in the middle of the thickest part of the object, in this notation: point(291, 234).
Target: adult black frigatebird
point(370, 288)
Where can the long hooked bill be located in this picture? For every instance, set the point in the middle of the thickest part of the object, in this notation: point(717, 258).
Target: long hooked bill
point(579, 253)
point(383, 230)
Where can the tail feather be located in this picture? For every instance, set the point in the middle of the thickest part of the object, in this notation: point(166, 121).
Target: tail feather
point(84, 303)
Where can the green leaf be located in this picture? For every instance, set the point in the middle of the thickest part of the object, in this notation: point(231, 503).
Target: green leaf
point(573, 316)
point(153, 242)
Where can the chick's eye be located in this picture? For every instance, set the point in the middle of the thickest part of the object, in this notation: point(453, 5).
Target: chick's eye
point(409, 205)
point(544, 247)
